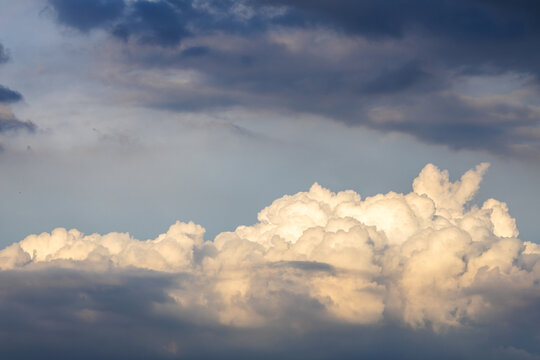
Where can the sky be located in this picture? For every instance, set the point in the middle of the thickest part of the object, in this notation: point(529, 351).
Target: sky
point(271, 179)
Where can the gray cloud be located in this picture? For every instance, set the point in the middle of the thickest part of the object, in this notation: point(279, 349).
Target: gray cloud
point(4, 54)
point(87, 14)
point(9, 96)
point(8, 122)
point(15, 124)
point(346, 61)
point(396, 80)
point(59, 313)
point(459, 26)
point(162, 23)
point(417, 98)
point(475, 31)
point(496, 126)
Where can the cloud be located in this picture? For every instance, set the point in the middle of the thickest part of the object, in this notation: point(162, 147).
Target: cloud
point(8, 96)
point(4, 54)
point(8, 121)
point(86, 15)
point(436, 16)
point(163, 23)
point(388, 18)
point(303, 57)
point(284, 71)
point(457, 27)
point(421, 264)
point(395, 80)
point(497, 125)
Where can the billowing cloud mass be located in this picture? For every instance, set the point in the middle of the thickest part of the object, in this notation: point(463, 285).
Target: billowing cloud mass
point(427, 264)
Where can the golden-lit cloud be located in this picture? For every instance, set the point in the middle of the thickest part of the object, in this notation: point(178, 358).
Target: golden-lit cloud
point(425, 257)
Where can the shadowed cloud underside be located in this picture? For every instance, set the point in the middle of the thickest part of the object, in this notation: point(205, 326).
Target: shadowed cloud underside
point(389, 65)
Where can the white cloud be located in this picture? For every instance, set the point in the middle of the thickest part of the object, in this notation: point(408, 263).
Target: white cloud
point(424, 258)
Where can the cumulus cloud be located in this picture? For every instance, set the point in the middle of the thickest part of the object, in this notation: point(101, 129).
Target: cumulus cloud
point(423, 265)
point(426, 259)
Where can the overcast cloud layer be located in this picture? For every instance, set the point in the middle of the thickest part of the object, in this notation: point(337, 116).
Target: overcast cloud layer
point(413, 274)
point(424, 68)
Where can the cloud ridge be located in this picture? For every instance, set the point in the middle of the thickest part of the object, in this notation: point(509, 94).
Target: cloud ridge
point(424, 258)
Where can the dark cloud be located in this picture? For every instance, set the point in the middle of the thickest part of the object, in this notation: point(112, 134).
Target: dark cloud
point(8, 121)
point(469, 31)
point(389, 93)
point(195, 51)
point(477, 34)
point(393, 18)
point(466, 31)
point(382, 57)
point(468, 20)
point(87, 14)
point(498, 127)
point(9, 96)
point(400, 79)
point(62, 314)
point(160, 23)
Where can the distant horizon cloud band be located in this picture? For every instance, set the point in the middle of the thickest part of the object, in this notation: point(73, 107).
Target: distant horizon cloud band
point(424, 259)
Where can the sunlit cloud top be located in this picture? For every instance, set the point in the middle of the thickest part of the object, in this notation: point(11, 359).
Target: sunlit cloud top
point(424, 257)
